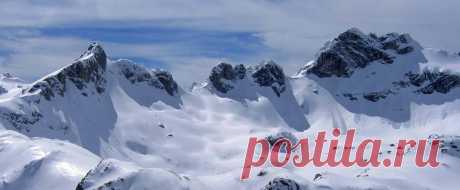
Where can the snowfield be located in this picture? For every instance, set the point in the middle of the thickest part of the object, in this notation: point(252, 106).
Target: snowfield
point(112, 124)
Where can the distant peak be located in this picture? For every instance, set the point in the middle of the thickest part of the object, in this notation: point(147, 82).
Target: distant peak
point(159, 79)
point(353, 50)
point(224, 76)
point(94, 48)
point(89, 68)
point(352, 33)
point(94, 54)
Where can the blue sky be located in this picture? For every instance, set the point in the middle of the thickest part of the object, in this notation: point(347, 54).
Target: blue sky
point(39, 36)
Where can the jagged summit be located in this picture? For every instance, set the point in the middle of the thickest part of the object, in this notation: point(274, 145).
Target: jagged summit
point(224, 77)
point(223, 73)
point(78, 102)
point(88, 70)
point(88, 74)
point(139, 74)
point(253, 83)
point(95, 51)
point(270, 74)
point(353, 50)
point(381, 75)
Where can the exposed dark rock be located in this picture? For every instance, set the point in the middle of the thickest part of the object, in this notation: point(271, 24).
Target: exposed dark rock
point(405, 50)
point(262, 173)
point(376, 96)
point(20, 121)
point(223, 73)
point(103, 168)
point(271, 75)
point(158, 79)
point(284, 134)
point(112, 174)
point(352, 50)
point(240, 71)
point(448, 144)
point(350, 96)
point(317, 177)
point(434, 81)
point(167, 81)
point(282, 184)
point(161, 125)
point(89, 69)
point(426, 82)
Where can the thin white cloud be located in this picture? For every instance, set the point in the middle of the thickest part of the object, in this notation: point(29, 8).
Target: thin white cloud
point(293, 29)
point(36, 56)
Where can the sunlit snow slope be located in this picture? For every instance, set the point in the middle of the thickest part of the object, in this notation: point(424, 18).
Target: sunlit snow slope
point(151, 133)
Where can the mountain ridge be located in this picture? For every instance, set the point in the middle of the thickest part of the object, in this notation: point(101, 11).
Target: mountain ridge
point(144, 127)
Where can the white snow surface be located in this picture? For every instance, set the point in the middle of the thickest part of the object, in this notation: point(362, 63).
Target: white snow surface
point(41, 163)
point(197, 139)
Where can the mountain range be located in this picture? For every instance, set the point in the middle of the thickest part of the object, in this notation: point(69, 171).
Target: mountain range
point(99, 123)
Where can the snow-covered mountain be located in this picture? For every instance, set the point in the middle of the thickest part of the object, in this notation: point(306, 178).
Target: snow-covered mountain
point(75, 103)
point(249, 83)
point(149, 132)
point(380, 75)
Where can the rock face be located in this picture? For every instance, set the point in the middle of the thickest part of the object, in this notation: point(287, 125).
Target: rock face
point(434, 81)
point(156, 78)
point(224, 73)
point(88, 70)
point(395, 68)
point(69, 102)
point(224, 76)
point(381, 75)
point(88, 75)
point(270, 75)
point(282, 184)
point(352, 50)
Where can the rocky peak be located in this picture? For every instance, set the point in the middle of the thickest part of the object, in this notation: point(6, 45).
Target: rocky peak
point(88, 70)
point(96, 52)
point(139, 74)
point(353, 49)
point(270, 74)
point(224, 76)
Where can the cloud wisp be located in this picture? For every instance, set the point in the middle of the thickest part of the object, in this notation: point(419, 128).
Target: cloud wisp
point(176, 34)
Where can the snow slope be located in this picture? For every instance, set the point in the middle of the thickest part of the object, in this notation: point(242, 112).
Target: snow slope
point(75, 104)
point(40, 163)
point(150, 132)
